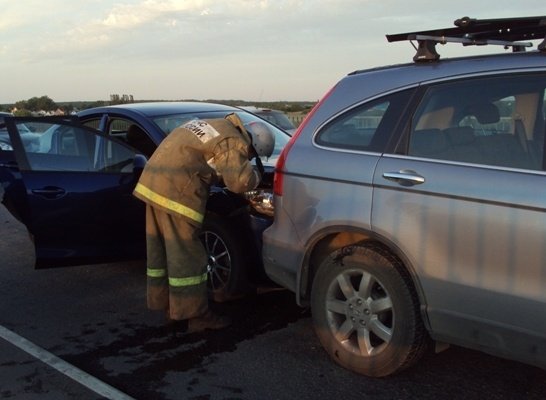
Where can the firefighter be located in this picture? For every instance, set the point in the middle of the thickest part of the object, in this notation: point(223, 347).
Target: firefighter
point(175, 186)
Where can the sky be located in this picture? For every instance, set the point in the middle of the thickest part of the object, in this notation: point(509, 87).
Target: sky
point(251, 50)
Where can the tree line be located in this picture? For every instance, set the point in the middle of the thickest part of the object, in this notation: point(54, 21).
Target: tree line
point(45, 103)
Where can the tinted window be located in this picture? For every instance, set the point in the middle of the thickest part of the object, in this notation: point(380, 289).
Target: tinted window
point(367, 127)
point(494, 121)
point(59, 147)
point(277, 118)
point(92, 123)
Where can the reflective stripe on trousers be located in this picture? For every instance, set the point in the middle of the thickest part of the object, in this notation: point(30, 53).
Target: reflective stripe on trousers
point(177, 282)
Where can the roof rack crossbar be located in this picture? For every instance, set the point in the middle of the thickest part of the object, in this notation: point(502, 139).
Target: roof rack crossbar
point(507, 32)
point(471, 41)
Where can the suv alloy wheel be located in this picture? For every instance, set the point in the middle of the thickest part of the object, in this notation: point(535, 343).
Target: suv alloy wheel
point(365, 311)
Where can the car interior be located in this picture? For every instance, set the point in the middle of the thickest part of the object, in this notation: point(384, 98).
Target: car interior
point(474, 131)
point(139, 140)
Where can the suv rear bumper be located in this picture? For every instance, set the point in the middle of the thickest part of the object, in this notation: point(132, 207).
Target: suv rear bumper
point(278, 273)
point(282, 252)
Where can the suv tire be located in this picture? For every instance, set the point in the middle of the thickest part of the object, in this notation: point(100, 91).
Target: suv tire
point(365, 311)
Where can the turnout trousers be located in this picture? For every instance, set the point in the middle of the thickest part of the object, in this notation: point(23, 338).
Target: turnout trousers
point(176, 266)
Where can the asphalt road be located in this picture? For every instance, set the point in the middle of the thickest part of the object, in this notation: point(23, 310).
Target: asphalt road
point(85, 333)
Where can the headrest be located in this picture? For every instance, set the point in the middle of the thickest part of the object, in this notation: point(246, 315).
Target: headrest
point(485, 113)
point(134, 132)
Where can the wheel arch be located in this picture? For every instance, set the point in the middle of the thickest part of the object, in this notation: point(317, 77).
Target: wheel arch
point(332, 238)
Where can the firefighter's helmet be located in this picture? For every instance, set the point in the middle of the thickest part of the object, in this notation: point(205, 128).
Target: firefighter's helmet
point(263, 139)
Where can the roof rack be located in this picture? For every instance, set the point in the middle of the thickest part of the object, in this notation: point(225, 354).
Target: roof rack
point(507, 32)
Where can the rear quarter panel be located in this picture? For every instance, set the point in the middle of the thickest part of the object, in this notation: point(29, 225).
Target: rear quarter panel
point(316, 202)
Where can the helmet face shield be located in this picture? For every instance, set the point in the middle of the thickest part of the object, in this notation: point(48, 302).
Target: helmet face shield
point(263, 140)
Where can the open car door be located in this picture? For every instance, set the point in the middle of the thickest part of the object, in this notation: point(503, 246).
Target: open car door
point(72, 188)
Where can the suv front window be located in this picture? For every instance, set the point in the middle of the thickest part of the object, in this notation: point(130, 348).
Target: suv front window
point(494, 121)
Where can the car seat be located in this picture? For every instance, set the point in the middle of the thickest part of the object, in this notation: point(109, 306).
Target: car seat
point(137, 138)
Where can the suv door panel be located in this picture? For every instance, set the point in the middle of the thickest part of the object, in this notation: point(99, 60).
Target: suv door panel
point(477, 247)
point(476, 244)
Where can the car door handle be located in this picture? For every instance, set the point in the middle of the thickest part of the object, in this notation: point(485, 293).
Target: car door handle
point(50, 192)
point(405, 177)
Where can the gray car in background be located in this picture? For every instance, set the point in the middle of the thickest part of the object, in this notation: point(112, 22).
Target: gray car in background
point(410, 207)
point(276, 117)
point(27, 136)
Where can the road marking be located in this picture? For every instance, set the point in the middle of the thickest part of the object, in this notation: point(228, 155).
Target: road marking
point(63, 367)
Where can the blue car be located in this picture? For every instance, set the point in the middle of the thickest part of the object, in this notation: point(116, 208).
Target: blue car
point(70, 180)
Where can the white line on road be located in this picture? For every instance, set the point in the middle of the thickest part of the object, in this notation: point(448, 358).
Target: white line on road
point(62, 366)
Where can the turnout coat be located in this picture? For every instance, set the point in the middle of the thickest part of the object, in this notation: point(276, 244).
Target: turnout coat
point(178, 175)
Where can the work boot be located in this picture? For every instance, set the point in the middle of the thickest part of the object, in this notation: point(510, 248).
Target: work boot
point(209, 320)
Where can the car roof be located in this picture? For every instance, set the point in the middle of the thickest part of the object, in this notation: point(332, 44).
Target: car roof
point(255, 109)
point(362, 85)
point(395, 77)
point(420, 72)
point(152, 109)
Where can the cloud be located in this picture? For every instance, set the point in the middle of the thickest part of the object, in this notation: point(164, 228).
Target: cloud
point(127, 16)
point(65, 27)
point(177, 48)
point(192, 21)
point(172, 29)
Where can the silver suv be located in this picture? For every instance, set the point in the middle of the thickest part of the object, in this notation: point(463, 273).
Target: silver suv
point(410, 206)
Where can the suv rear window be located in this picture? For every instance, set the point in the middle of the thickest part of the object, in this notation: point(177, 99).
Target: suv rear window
point(367, 127)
